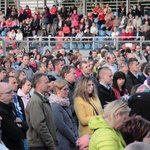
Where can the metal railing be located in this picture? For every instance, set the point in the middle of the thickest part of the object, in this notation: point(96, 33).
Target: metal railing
point(71, 43)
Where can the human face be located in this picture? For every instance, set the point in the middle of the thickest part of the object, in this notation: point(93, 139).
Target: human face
point(32, 61)
point(91, 65)
point(135, 67)
point(25, 60)
point(108, 77)
point(94, 54)
point(2, 75)
point(22, 76)
point(13, 83)
point(51, 85)
point(147, 138)
point(43, 85)
point(86, 70)
point(12, 73)
point(50, 65)
point(43, 69)
point(112, 59)
point(137, 49)
point(71, 76)
point(124, 69)
point(90, 87)
point(26, 87)
point(60, 65)
point(120, 119)
point(63, 92)
point(120, 82)
point(7, 96)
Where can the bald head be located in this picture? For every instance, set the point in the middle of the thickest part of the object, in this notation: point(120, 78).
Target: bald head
point(6, 93)
point(105, 76)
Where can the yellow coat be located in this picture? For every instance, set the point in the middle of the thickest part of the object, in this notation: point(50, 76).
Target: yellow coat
point(84, 112)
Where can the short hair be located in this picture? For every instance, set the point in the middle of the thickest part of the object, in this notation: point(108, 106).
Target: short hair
point(134, 89)
point(118, 75)
point(138, 146)
point(143, 66)
point(2, 69)
point(59, 84)
point(10, 70)
point(81, 63)
point(80, 90)
point(17, 73)
point(36, 78)
point(40, 64)
point(23, 81)
point(131, 60)
point(25, 55)
point(66, 69)
point(147, 69)
point(135, 129)
point(57, 61)
point(112, 107)
point(102, 71)
point(7, 79)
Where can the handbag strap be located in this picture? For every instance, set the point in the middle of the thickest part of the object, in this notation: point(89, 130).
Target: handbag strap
point(94, 109)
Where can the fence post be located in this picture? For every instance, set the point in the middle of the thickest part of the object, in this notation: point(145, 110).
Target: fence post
point(4, 47)
point(27, 43)
point(141, 49)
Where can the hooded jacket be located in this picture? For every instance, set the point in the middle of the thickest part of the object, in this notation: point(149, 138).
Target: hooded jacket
point(104, 137)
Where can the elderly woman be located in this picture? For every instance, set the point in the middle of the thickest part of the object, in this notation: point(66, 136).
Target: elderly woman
point(138, 146)
point(86, 104)
point(106, 127)
point(66, 133)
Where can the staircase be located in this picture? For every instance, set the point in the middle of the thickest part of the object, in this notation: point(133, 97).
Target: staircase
point(3, 5)
point(34, 5)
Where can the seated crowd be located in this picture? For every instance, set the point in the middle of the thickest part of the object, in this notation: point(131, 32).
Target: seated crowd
point(62, 101)
point(64, 23)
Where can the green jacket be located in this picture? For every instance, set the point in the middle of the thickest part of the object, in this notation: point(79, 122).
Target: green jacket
point(41, 123)
point(104, 137)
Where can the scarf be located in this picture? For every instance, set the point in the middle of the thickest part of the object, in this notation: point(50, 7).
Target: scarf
point(61, 101)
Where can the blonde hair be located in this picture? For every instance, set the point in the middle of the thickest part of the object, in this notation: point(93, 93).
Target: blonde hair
point(138, 146)
point(112, 107)
point(59, 84)
point(81, 89)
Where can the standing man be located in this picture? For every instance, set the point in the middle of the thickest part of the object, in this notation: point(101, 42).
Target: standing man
point(10, 125)
point(42, 133)
point(133, 77)
point(105, 93)
point(25, 67)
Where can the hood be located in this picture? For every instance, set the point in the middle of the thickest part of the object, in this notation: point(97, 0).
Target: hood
point(97, 122)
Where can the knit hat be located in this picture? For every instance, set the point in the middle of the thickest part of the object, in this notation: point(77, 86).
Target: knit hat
point(83, 141)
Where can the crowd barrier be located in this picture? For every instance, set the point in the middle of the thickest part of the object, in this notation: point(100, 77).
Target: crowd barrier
point(71, 43)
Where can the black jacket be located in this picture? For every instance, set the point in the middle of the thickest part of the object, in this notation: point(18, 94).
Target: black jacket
point(105, 95)
point(140, 105)
point(131, 80)
point(12, 134)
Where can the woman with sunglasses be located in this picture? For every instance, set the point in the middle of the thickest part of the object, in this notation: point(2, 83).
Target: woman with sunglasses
point(66, 130)
point(106, 127)
point(86, 104)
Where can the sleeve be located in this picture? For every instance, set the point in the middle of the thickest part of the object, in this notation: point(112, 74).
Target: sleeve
point(108, 142)
point(80, 110)
point(61, 125)
point(10, 128)
point(39, 124)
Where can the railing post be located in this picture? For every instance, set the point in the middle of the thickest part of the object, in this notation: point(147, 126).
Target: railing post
point(28, 44)
point(117, 43)
point(141, 45)
point(4, 47)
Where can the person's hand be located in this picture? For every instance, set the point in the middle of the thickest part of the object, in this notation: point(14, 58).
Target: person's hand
point(18, 119)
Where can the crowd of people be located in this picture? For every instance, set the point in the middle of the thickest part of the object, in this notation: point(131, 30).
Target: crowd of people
point(60, 100)
point(63, 24)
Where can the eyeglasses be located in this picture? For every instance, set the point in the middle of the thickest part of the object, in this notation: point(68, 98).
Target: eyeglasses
point(9, 92)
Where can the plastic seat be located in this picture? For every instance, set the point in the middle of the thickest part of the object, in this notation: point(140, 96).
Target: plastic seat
point(102, 33)
point(87, 46)
point(73, 46)
point(80, 46)
point(66, 46)
point(4, 33)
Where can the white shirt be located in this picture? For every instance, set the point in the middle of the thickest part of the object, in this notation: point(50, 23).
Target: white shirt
point(19, 37)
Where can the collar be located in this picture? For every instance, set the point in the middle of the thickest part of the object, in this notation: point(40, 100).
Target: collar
point(106, 86)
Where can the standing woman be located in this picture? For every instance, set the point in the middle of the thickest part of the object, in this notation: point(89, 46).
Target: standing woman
point(118, 86)
point(23, 91)
point(66, 134)
point(86, 104)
